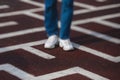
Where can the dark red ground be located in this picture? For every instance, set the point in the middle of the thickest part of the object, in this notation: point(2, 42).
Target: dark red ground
point(37, 66)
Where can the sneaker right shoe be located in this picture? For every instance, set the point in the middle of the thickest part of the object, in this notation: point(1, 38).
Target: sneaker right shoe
point(51, 42)
point(66, 44)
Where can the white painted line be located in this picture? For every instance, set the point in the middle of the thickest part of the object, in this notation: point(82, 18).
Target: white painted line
point(33, 3)
point(108, 24)
point(100, 0)
point(97, 53)
point(38, 52)
point(26, 76)
point(70, 71)
point(79, 4)
point(4, 6)
point(91, 75)
point(9, 23)
point(109, 16)
point(83, 21)
point(16, 72)
point(81, 47)
point(56, 74)
point(20, 12)
point(97, 9)
point(93, 33)
point(34, 15)
point(93, 19)
point(15, 47)
point(21, 32)
point(96, 34)
point(81, 11)
point(35, 10)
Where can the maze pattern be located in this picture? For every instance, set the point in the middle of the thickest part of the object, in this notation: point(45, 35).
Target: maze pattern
point(95, 34)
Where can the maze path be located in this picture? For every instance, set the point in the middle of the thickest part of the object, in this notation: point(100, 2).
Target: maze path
point(94, 33)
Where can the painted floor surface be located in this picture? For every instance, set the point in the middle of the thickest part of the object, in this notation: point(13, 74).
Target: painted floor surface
point(95, 34)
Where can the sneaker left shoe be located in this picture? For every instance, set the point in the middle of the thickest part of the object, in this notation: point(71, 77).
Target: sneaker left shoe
point(66, 44)
point(51, 42)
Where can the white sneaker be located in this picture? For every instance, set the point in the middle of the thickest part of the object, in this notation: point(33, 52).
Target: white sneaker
point(51, 42)
point(66, 44)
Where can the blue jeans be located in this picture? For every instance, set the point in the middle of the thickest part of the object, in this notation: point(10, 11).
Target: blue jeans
point(51, 18)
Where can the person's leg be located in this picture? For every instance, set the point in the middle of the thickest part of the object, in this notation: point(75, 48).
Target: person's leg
point(51, 17)
point(66, 18)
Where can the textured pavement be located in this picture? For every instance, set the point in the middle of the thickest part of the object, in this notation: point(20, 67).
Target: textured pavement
point(95, 34)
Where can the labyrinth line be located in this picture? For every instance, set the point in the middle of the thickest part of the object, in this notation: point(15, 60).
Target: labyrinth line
point(97, 53)
point(96, 34)
point(4, 6)
point(98, 20)
point(101, 0)
point(86, 31)
point(14, 47)
point(80, 47)
point(19, 12)
point(26, 76)
point(108, 24)
point(42, 9)
point(89, 7)
point(33, 3)
point(109, 16)
point(38, 52)
point(76, 12)
point(79, 4)
point(28, 47)
point(9, 23)
point(70, 71)
point(21, 32)
point(34, 15)
point(83, 21)
point(16, 72)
